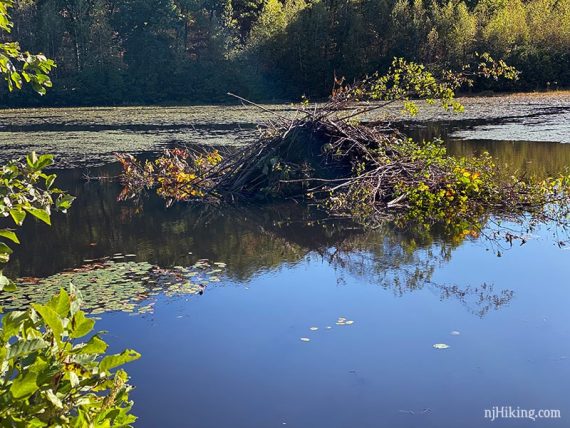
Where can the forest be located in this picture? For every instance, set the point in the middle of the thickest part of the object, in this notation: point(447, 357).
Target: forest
point(111, 52)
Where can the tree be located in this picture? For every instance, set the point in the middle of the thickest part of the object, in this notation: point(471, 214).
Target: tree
point(17, 66)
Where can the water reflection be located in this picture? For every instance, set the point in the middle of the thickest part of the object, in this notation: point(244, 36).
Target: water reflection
point(238, 349)
point(248, 239)
point(534, 158)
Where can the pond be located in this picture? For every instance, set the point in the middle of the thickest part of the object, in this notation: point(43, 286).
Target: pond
point(372, 304)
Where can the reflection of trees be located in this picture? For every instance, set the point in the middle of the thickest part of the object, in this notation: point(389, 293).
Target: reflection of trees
point(396, 261)
point(478, 300)
point(248, 239)
point(541, 159)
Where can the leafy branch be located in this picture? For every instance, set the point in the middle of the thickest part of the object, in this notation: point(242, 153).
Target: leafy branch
point(26, 189)
point(18, 67)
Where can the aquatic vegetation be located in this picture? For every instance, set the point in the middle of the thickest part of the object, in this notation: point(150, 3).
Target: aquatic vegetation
point(88, 137)
point(108, 285)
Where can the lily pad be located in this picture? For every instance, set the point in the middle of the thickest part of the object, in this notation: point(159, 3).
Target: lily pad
point(108, 285)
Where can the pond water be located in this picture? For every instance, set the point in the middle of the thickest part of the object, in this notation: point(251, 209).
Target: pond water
point(231, 355)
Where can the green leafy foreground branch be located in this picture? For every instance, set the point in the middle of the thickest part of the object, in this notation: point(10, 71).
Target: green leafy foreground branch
point(25, 189)
point(18, 67)
point(48, 376)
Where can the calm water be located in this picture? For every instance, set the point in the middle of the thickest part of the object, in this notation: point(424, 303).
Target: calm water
point(233, 357)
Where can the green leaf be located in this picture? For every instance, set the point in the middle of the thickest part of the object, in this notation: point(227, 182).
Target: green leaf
point(9, 234)
point(25, 347)
point(81, 325)
point(24, 386)
point(43, 162)
point(31, 159)
point(5, 252)
point(50, 179)
point(60, 303)
point(76, 299)
point(6, 284)
point(95, 345)
point(53, 399)
point(35, 423)
point(18, 215)
point(12, 322)
point(63, 203)
point(17, 79)
point(40, 214)
point(51, 318)
point(112, 361)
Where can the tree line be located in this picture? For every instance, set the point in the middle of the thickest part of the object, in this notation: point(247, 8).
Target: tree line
point(191, 51)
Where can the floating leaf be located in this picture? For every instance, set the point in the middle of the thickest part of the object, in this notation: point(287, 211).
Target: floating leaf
point(441, 346)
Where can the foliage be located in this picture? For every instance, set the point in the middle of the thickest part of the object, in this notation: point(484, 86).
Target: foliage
point(26, 189)
point(177, 175)
point(371, 173)
point(18, 67)
point(49, 378)
point(430, 187)
point(129, 51)
point(406, 81)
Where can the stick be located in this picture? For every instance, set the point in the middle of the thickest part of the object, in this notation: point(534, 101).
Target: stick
point(258, 106)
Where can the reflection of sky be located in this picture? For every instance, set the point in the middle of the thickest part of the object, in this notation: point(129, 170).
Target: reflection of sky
point(239, 361)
